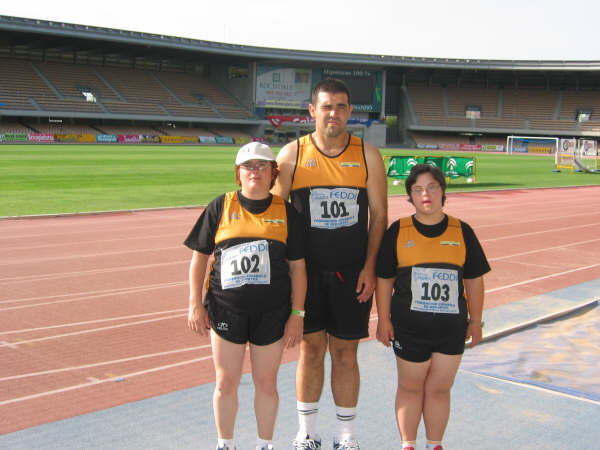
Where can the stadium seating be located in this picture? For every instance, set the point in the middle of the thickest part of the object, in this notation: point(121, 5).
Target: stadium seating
point(525, 110)
point(57, 87)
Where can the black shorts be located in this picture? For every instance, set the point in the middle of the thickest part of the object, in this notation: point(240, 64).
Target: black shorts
point(256, 327)
point(419, 347)
point(331, 304)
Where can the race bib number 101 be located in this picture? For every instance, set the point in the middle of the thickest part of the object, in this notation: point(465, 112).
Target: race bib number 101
point(246, 263)
point(333, 208)
point(434, 290)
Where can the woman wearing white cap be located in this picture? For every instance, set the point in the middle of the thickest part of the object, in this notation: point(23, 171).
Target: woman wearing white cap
point(254, 292)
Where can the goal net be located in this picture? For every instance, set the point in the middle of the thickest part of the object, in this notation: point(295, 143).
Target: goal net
point(586, 156)
point(532, 144)
point(579, 155)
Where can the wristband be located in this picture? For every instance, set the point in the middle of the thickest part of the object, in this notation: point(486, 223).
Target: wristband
point(298, 312)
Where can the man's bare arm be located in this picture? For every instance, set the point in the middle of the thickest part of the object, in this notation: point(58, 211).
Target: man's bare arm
point(377, 196)
point(286, 161)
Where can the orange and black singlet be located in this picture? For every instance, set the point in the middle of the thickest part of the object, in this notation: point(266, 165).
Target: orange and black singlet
point(429, 264)
point(251, 241)
point(331, 193)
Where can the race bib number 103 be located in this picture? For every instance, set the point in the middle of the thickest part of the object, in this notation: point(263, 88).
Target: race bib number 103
point(434, 290)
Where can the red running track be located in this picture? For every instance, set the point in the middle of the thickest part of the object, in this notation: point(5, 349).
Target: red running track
point(93, 307)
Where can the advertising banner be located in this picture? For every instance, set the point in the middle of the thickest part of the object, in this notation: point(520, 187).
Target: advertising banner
point(241, 140)
point(106, 138)
point(171, 139)
point(86, 138)
point(449, 147)
point(366, 122)
point(128, 138)
point(277, 121)
point(492, 148)
point(207, 139)
point(66, 137)
point(283, 87)
point(224, 139)
point(15, 137)
point(40, 137)
point(471, 147)
point(190, 139)
point(150, 139)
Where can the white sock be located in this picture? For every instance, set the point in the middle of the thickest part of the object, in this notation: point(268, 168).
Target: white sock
point(261, 443)
point(226, 442)
point(344, 423)
point(432, 444)
point(307, 417)
point(409, 444)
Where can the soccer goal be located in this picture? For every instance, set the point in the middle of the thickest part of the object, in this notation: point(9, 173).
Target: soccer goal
point(532, 144)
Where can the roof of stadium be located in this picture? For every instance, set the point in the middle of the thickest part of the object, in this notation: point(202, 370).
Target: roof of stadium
point(35, 34)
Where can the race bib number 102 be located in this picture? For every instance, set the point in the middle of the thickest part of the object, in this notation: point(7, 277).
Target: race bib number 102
point(246, 263)
point(333, 208)
point(434, 290)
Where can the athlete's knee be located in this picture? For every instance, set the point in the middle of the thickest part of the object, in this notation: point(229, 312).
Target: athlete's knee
point(344, 356)
point(226, 384)
point(437, 389)
point(313, 349)
point(266, 384)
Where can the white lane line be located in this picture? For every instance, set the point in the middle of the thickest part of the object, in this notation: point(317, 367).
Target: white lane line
point(92, 330)
point(75, 324)
point(88, 297)
point(87, 293)
point(104, 363)
point(57, 275)
point(89, 242)
point(95, 383)
point(550, 230)
point(88, 255)
point(533, 280)
point(573, 244)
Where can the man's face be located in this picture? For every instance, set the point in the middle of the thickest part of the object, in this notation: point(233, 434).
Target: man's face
point(331, 113)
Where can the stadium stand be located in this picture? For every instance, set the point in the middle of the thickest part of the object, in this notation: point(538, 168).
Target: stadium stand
point(118, 82)
point(56, 128)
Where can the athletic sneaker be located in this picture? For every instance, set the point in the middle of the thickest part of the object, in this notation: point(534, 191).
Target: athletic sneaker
point(225, 448)
point(307, 443)
point(268, 447)
point(346, 444)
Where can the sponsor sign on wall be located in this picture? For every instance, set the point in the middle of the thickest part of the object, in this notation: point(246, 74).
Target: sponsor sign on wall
point(40, 137)
point(106, 138)
point(283, 87)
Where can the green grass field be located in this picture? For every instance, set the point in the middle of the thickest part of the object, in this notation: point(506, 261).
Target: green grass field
point(48, 179)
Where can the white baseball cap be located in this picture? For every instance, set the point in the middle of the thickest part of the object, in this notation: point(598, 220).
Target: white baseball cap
point(254, 150)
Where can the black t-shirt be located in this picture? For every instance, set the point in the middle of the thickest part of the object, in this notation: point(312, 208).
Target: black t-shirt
point(476, 263)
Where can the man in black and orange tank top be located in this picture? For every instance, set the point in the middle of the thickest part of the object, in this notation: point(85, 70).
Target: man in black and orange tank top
point(337, 181)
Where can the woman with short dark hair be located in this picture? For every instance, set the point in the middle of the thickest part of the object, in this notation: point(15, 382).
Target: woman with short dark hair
point(429, 300)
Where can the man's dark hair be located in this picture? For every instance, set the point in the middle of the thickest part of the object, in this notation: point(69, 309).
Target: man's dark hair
point(420, 169)
point(330, 85)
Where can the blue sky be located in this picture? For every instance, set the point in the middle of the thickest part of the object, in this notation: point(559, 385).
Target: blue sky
point(466, 29)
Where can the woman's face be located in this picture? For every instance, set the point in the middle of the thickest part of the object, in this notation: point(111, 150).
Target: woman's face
point(255, 177)
point(426, 195)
